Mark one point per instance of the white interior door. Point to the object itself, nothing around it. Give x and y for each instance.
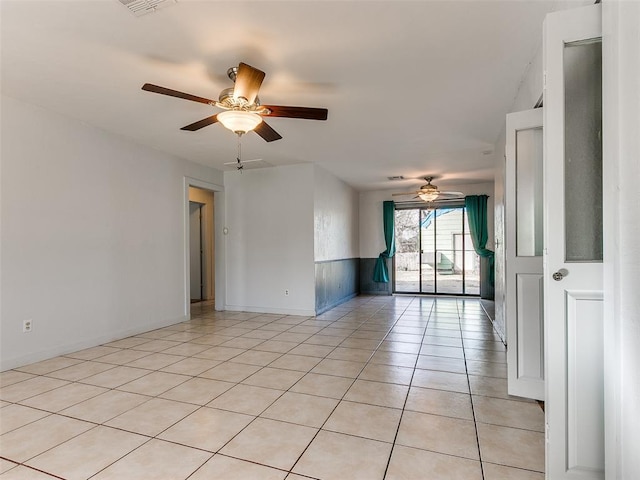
(524, 246)
(573, 243)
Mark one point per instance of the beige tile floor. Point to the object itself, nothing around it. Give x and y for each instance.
(378, 388)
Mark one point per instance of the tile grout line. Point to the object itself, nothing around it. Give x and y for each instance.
(200, 406)
(149, 437)
(347, 390)
(262, 367)
(473, 410)
(258, 416)
(406, 398)
(21, 464)
(156, 436)
(330, 324)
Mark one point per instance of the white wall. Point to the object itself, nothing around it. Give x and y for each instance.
(529, 93)
(270, 240)
(371, 229)
(499, 230)
(370, 219)
(92, 235)
(335, 218)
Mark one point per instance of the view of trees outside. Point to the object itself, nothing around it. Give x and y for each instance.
(434, 252)
(407, 230)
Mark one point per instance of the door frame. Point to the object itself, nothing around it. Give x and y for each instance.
(621, 150)
(219, 254)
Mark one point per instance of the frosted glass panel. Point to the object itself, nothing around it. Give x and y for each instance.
(583, 151)
(529, 232)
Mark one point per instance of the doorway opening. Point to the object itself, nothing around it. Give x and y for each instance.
(196, 252)
(434, 252)
(201, 254)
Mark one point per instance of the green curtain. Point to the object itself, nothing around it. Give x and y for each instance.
(476, 206)
(380, 272)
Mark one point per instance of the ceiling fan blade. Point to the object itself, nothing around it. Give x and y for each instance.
(266, 132)
(248, 81)
(296, 112)
(406, 193)
(175, 93)
(244, 161)
(201, 123)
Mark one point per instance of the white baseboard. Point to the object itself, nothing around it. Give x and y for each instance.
(54, 351)
(282, 311)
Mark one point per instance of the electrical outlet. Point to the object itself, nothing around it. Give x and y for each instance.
(286, 293)
(27, 326)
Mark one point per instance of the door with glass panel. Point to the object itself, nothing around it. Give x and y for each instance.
(573, 233)
(523, 254)
(408, 256)
(434, 252)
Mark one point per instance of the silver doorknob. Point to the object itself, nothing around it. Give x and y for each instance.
(560, 274)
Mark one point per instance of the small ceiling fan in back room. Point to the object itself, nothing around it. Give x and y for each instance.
(431, 194)
(243, 111)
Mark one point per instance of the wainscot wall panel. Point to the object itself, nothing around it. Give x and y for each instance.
(336, 281)
(367, 285)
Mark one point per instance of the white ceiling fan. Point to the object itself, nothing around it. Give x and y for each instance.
(431, 193)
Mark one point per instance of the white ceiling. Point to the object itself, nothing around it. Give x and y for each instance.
(412, 88)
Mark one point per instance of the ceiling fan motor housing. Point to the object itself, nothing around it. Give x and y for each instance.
(226, 95)
(429, 187)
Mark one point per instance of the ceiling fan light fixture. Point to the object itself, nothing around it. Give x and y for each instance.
(239, 121)
(429, 196)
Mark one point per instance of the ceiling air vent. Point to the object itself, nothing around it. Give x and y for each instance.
(396, 177)
(142, 7)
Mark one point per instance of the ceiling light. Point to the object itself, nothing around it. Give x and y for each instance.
(429, 196)
(239, 121)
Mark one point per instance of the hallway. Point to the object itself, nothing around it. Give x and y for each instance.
(380, 387)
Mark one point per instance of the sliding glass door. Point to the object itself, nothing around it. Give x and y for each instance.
(434, 253)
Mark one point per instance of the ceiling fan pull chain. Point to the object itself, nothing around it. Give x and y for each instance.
(240, 166)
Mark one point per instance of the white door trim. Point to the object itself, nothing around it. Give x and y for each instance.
(220, 251)
(621, 150)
